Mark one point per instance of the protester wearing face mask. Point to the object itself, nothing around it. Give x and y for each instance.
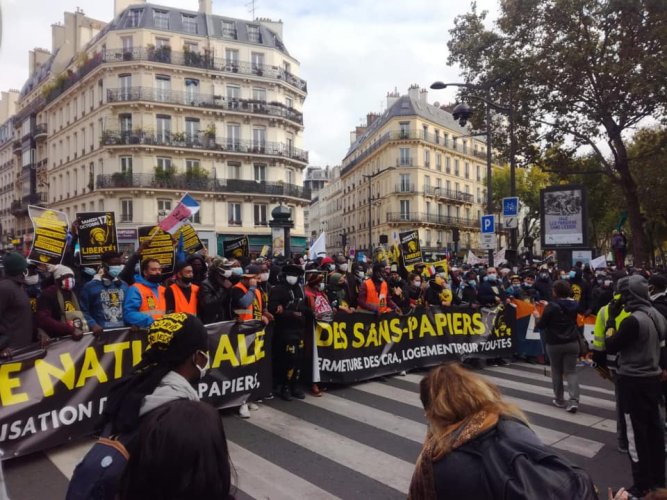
(529, 290)
(354, 279)
(374, 292)
(341, 264)
(543, 284)
(490, 293)
(398, 290)
(58, 310)
(102, 298)
(181, 296)
(318, 308)
(287, 304)
(213, 299)
(176, 359)
(16, 316)
(415, 290)
(145, 302)
(468, 290)
(514, 290)
(327, 265)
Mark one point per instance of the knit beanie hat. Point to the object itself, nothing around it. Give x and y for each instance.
(15, 264)
(59, 271)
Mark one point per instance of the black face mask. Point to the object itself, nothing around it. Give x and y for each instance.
(154, 279)
(186, 281)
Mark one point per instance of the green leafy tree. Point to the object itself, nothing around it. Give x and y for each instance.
(579, 75)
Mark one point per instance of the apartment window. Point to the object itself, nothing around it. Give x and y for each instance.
(191, 165)
(257, 60)
(479, 195)
(233, 136)
(260, 172)
(161, 19)
(127, 44)
(289, 176)
(457, 187)
(254, 34)
(449, 186)
(233, 96)
(445, 139)
(427, 158)
(404, 158)
(124, 87)
(428, 208)
(405, 183)
(163, 163)
(126, 210)
(192, 129)
(163, 131)
(126, 165)
(234, 170)
(287, 67)
(163, 206)
(100, 205)
(259, 94)
(456, 167)
(162, 87)
(448, 166)
(191, 91)
(289, 102)
(259, 139)
(232, 59)
(427, 182)
(455, 142)
(260, 215)
(125, 122)
(438, 162)
(161, 43)
(234, 210)
(404, 130)
(479, 173)
(229, 29)
(425, 131)
(437, 137)
(189, 23)
(428, 237)
(191, 47)
(134, 18)
(405, 209)
(465, 146)
(466, 169)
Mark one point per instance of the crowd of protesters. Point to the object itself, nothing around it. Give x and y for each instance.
(39, 303)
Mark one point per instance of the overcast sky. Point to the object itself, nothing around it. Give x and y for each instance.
(352, 52)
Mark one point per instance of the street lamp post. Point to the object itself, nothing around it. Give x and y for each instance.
(465, 113)
(370, 177)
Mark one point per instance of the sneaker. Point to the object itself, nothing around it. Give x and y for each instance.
(403, 373)
(253, 406)
(572, 407)
(558, 404)
(622, 448)
(285, 394)
(269, 397)
(298, 393)
(243, 411)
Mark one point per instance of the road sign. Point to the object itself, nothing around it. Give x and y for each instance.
(511, 222)
(511, 206)
(487, 241)
(488, 224)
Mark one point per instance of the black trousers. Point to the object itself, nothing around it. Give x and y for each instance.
(639, 398)
(288, 359)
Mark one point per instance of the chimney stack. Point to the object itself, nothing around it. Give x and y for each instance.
(423, 96)
(413, 92)
(392, 97)
(120, 5)
(206, 7)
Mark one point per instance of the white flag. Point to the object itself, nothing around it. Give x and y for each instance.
(318, 247)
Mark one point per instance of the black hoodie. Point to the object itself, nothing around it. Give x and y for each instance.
(559, 322)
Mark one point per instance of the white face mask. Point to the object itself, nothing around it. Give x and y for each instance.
(322, 286)
(202, 371)
(343, 267)
(227, 273)
(264, 277)
(361, 274)
(31, 280)
(238, 271)
(291, 280)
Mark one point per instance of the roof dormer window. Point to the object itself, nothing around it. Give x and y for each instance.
(254, 34)
(161, 19)
(229, 29)
(189, 23)
(134, 18)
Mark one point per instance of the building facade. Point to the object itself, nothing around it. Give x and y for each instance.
(315, 178)
(163, 101)
(413, 167)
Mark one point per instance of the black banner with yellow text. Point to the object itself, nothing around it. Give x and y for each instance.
(50, 401)
(97, 234)
(362, 346)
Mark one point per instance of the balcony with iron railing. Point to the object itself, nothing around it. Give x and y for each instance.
(406, 188)
(253, 106)
(189, 182)
(40, 131)
(20, 207)
(435, 219)
(201, 141)
(167, 56)
(448, 194)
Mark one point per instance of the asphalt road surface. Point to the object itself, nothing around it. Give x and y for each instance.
(362, 441)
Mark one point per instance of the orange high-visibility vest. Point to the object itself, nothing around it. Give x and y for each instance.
(256, 307)
(372, 297)
(150, 304)
(181, 304)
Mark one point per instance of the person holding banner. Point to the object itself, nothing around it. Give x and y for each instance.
(145, 302)
(374, 292)
(16, 321)
(213, 299)
(181, 296)
(102, 297)
(58, 311)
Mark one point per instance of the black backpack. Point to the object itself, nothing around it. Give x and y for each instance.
(517, 465)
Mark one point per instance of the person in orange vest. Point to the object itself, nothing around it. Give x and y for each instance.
(144, 301)
(181, 296)
(374, 292)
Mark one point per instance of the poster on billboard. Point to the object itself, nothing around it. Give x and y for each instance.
(563, 217)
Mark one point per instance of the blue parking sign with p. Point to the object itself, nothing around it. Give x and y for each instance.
(488, 224)
(511, 206)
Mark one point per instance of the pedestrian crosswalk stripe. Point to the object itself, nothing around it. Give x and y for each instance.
(545, 410)
(382, 467)
(547, 379)
(66, 458)
(259, 478)
(550, 437)
(394, 424)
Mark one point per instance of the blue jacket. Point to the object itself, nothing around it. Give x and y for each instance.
(101, 302)
(131, 313)
(488, 291)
